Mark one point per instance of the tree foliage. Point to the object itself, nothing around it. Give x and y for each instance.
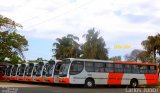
(138, 55)
(133, 56)
(67, 47)
(144, 56)
(94, 47)
(115, 58)
(7, 24)
(152, 45)
(12, 44)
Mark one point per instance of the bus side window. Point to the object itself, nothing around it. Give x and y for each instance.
(76, 67)
(89, 66)
(118, 68)
(143, 69)
(57, 67)
(152, 69)
(135, 69)
(109, 67)
(99, 67)
(127, 68)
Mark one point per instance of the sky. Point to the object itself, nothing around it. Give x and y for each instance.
(122, 23)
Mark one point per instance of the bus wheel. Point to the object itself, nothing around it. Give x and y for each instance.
(134, 83)
(89, 83)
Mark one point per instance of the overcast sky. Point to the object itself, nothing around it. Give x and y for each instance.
(120, 22)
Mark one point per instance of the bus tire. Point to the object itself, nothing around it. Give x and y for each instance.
(134, 83)
(89, 83)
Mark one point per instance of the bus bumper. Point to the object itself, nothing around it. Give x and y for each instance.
(39, 79)
(8, 78)
(30, 79)
(20, 79)
(14, 78)
(49, 79)
(4, 78)
(63, 80)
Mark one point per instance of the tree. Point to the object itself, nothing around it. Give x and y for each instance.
(7, 24)
(152, 45)
(94, 47)
(139, 55)
(12, 44)
(115, 58)
(67, 47)
(133, 56)
(144, 56)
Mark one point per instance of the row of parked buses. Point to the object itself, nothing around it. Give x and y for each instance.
(89, 72)
(33, 72)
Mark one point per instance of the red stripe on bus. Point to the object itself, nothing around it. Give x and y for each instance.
(115, 78)
(8, 77)
(13, 78)
(63, 80)
(30, 79)
(49, 79)
(4, 77)
(39, 79)
(151, 78)
(21, 79)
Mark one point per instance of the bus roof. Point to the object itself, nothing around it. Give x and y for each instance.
(136, 63)
(92, 60)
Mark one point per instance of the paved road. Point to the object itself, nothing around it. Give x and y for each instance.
(13, 87)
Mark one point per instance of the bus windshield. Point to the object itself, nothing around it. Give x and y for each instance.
(49, 68)
(22, 69)
(8, 72)
(2, 70)
(29, 69)
(39, 69)
(14, 70)
(64, 68)
(57, 67)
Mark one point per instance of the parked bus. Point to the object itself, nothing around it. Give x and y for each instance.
(21, 72)
(52, 71)
(8, 72)
(14, 72)
(31, 72)
(3, 72)
(100, 72)
(40, 72)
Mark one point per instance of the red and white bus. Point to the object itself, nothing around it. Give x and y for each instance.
(3, 72)
(31, 72)
(52, 71)
(8, 72)
(100, 72)
(40, 72)
(21, 72)
(14, 72)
